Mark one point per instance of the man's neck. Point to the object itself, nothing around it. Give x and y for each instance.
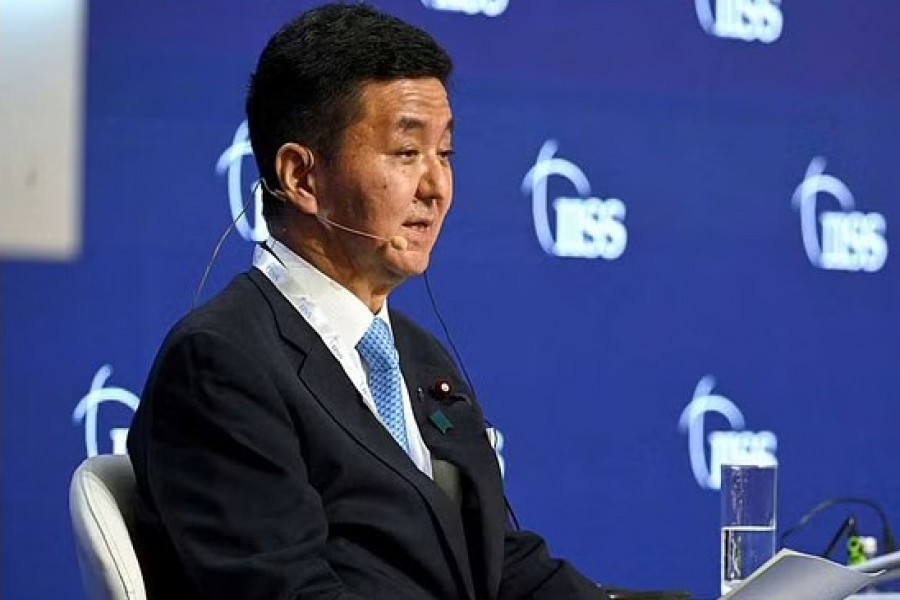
(313, 251)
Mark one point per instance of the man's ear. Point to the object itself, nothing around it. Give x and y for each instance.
(295, 167)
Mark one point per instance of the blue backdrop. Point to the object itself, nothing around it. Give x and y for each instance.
(690, 205)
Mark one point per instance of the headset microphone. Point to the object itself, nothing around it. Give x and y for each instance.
(397, 242)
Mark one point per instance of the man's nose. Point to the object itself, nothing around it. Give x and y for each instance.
(436, 182)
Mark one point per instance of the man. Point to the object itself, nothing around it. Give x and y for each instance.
(281, 450)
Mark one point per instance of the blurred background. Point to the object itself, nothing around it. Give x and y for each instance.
(671, 247)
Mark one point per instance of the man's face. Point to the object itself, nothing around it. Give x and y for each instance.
(391, 177)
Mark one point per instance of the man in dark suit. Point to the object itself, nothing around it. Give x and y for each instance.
(295, 438)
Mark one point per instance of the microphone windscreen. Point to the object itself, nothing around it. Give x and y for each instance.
(398, 242)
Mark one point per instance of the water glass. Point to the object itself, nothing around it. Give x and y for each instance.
(748, 520)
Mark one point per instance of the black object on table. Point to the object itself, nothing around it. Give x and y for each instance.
(620, 594)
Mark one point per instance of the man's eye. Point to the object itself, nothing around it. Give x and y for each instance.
(447, 154)
(408, 153)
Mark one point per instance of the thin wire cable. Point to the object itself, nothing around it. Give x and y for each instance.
(218, 247)
(437, 313)
(847, 528)
(888, 540)
(274, 193)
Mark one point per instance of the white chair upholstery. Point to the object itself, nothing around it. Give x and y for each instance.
(101, 501)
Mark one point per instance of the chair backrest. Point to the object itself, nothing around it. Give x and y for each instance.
(101, 500)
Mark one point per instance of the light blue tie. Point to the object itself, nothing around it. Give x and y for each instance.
(377, 349)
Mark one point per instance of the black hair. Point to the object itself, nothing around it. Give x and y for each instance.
(309, 76)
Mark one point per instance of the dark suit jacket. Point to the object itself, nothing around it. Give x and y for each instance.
(262, 475)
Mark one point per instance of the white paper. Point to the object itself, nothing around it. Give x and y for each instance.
(791, 575)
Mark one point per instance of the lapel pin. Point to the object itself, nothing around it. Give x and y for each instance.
(441, 389)
(440, 420)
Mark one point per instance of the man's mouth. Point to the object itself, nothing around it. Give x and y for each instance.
(418, 225)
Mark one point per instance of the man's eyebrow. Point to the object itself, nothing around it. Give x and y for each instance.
(408, 124)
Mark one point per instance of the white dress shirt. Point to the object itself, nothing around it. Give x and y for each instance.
(341, 319)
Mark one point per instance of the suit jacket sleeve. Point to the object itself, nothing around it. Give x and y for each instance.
(529, 572)
(225, 468)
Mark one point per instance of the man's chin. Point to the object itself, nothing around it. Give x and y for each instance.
(411, 263)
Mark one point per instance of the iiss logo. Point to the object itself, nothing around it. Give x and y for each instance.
(747, 20)
(230, 164)
(489, 8)
(87, 408)
(737, 446)
(586, 226)
(851, 240)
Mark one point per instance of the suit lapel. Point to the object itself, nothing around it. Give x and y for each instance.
(326, 380)
(464, 444)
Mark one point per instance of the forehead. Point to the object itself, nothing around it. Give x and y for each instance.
(406, 105)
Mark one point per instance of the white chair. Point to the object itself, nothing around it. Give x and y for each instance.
(101, 500)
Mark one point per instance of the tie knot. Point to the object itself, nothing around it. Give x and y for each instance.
(377, 347)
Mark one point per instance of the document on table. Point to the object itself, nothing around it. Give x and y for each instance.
(791, 575)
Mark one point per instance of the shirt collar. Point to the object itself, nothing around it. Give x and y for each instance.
(348, 316)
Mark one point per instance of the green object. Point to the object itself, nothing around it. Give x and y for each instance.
(441, 421)
(855, 553)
